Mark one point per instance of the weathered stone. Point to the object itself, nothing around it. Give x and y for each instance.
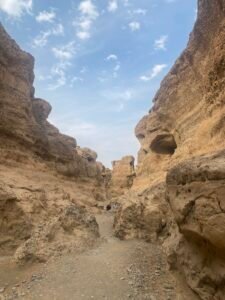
(71, 231)
(123, 174)
(142, 216)
(43, 174)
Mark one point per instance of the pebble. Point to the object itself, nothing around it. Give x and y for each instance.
(2, 289)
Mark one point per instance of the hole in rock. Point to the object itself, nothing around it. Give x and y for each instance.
(140, 136)
(108, 207)
(164, 144)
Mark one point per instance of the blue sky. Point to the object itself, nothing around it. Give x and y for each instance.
(100, 62)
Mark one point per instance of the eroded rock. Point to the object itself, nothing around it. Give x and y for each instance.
(45, 178)
(72, 231)
(142, 215)
(123, 174)
(195, 190)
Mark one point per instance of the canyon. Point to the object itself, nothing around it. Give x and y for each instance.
(162, 220)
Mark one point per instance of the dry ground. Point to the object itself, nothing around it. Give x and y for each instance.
(114, 270)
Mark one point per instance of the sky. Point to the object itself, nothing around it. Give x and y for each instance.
(100, 62)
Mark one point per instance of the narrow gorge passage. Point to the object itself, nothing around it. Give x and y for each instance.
(113, 270)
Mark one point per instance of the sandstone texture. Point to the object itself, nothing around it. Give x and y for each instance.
(24, 123)
(142, 215)
(122, 177)
(195, 191)
(49, 187)
(182, 146)
(72, 231)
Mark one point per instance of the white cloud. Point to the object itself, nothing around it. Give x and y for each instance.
(46, 16)
(65, 52)
(134, 26)
(117, 67)
(112, 6)
(58, 75)
(83, 35)
(75, 79)
(42, 39)
(87, 8)
(112, 57)
(116, 70)
(88, 14)
(137, 12)
(160, 44)
(140, 11)
(58, 30)
(156, 70)
(16, 8)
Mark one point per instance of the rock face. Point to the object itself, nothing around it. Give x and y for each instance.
(123, 174)
(195, 190)
(25, 126)
(182, 144)
(142, 215)
(45, 178)
(188, 113)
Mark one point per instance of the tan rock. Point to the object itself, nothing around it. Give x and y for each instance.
(183, 135)
(142, 215)
(44, 180)
(87, 153)
(123, 174)
(25, 126)
(72, 231)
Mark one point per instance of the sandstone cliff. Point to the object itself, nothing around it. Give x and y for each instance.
(182, 142)
(123, 174)
(47, 183)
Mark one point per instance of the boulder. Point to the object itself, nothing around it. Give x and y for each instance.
(143, 215)
(72, 231)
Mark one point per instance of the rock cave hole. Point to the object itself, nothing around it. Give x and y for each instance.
(164, 144)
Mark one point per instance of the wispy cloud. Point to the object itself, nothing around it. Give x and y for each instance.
(41, 40)
(16, 8)
(112, 57)
(156, 70)
(134, 26)
(65, 52)
(46, 16)
(112, 5)
(119, 97)
(117, 66)
(88, 14)
(160, 44)
(140, 11)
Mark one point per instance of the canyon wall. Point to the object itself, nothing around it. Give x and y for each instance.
(48, 185)
(182, 148)
(122, 176)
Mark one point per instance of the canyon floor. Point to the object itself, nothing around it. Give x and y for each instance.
(112, 270)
